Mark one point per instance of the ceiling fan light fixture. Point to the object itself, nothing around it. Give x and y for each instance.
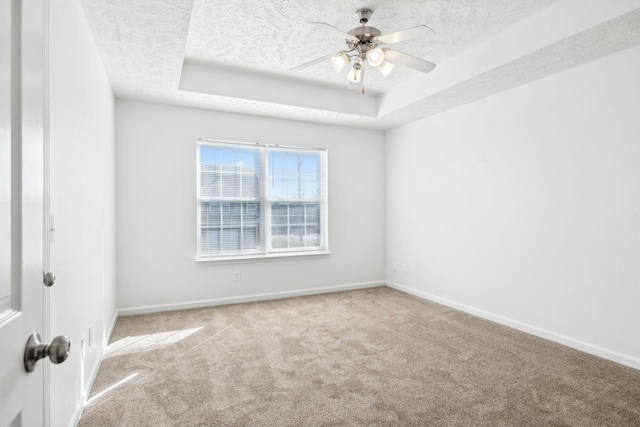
(385, 68)
(338, 62)
(367, 45)
(354, 75)
(375, 57)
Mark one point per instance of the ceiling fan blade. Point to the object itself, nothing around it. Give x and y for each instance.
(408, 34)
(314, 62)
(334, 30)
(396, 57)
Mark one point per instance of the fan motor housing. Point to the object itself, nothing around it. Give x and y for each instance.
(365, 34)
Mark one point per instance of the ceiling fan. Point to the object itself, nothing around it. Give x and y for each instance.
(367, 44)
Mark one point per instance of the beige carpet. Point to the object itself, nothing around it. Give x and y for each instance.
(375, 357)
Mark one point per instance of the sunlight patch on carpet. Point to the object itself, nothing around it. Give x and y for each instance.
(149, 342)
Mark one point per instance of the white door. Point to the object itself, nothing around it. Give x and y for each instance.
(22, 142)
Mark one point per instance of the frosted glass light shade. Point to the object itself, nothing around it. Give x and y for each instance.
(375, 57)
(354, 76)
(386, 68)
(338, 62)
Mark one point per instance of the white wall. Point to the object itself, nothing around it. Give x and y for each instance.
(524, 207)
(156, 179)
(83, 202)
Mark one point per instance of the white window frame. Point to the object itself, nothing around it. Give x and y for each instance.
(265, 204)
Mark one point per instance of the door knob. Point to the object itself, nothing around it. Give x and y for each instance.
(58, 351)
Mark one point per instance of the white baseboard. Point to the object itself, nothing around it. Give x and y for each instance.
(247, 298)
(94, 373)
(596, 350)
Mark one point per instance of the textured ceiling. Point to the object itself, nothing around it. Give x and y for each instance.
(144, 44)
(275, 35)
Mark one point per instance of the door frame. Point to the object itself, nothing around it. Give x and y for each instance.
(47, 220)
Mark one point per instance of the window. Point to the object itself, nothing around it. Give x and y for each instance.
(259, 200)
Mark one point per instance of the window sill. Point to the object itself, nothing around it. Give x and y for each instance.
(272, 256)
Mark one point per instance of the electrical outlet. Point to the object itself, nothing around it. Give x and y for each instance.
(404, 268)
(394, 267)
(236, 276)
